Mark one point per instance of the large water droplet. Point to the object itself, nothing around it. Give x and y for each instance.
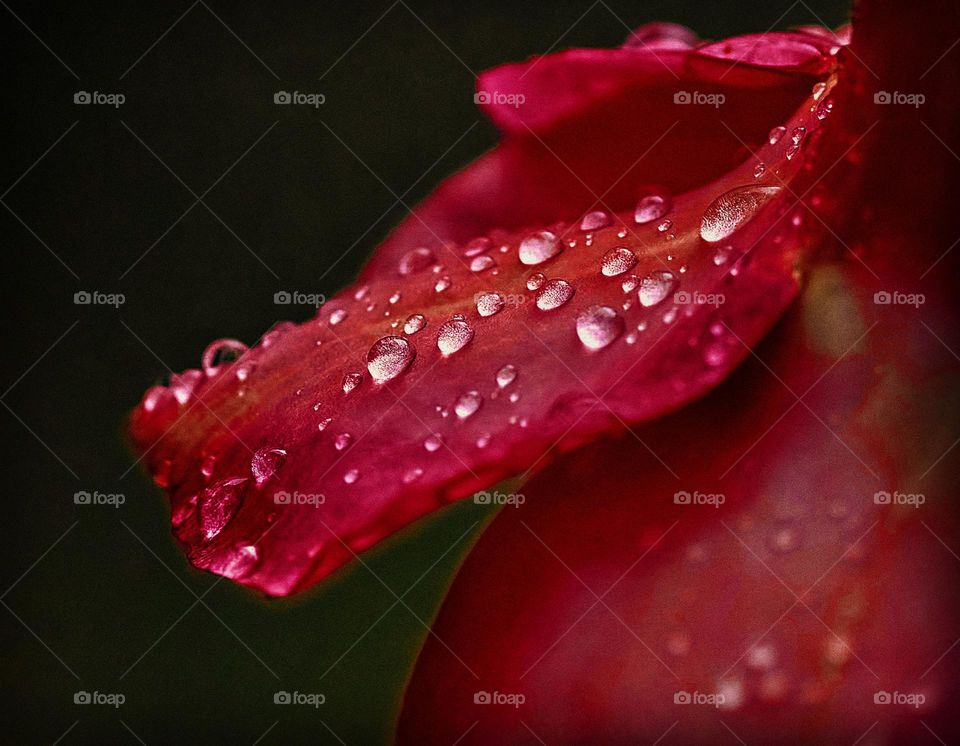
(728, 212)
(219, 352)
(337, 316)
(351, 381)
(453, 336)
(265, 463)
(468, 403)
(433, 442)
(415, 260)
(219, 504)
(389, 357)
(506, 375)
(414, 324)
(594, 220)
(554, 294)
(656, 286)
(617, 261)
(598, 326)
(489, 304)
(482, 263)
(653, 207)
(539, 247)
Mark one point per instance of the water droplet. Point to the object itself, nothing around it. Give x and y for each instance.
(243, 372)
(489, 304)
(207, 466)
(322, 425)
(514, 397)
(412, 475)
(240, 561)
(414, 323)
(336, 316)
(220, 352)
(483, 441)
(416, 260)
(665, 225)
(792, 151)
(535, 281)
(617, 261)
(775, 134)
(442, 284)
(389, 357)
(342, 441)
(395, 298)
(433, 442)
(219, 504)
(652, 207)
(759, 170)
(265, 462)
(539, 247)
(351, 476)
(554, 294)
(818, 90)
(467, 404)
(598, 326)
(728, 212)
(797, 134)
(723, 255)
(453, 336)
(656, 286)
(477, 246)
(351, 381)
(362, 292)
(594, 220)
(482, 263)
(824, 108)
(506, 375)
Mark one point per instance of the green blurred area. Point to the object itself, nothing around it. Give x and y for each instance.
(111, 607)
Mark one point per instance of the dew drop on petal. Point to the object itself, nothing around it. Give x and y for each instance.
(818, 90)
(728, 212)
(477, 246)
(594, 220)
(219, 503)
(630, 283)
(265, 462)
(219, 352)
(535, 281)
(506, 375)
(554, 294)
(342, 441)
(775, 134)
(664, 226)
(759, 170)
(240, 561)
(482, 263)
(412, 475)
(336, 316)
(467, 404)
(433, 442)
(489, 304)
(483, 441)
(656, 286)
(538, 247)
(442, 284)
(351, 381)
(453, 336)
(617, 261)
(598, 326)
(415, 260)
(322, 425)
(389, 357)
(652, 207)
(351, 476)
(414, 323)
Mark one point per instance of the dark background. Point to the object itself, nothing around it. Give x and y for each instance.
(88, 590)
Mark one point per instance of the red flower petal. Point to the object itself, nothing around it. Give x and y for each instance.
(331, 435)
